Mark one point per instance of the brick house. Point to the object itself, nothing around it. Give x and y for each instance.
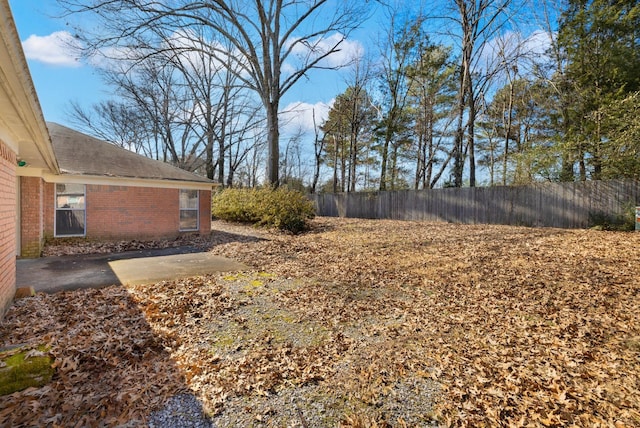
(57, 183)
(23, 138)
(104, 192)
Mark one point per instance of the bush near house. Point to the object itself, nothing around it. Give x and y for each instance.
(282, 208)
(624, 222)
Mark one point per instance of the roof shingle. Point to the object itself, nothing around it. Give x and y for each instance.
(81, 154)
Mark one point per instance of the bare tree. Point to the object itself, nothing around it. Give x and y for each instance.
(225, 112)
(157, 90)
(248, 171)
(291, 162)
(476, 22)
(318, 150)
(362, 115)
(244, 144)
(116, 122)
(264, 35)
(155, 116)
(506, 56)
(212, 86)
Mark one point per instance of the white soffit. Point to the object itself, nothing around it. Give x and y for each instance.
(22, 125)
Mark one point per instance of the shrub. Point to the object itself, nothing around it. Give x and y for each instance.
(625, 221)
(282, 208)
(235, 205)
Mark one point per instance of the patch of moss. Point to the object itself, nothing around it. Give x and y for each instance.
(265, 275)
(224, 340)
(23, 368)
(234, 277)
(256, 283)
(252, 287)
(279, 325)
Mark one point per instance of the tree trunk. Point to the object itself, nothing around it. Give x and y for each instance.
(458, 159)
(429, 167)
(394, 167)
(353, 143)
(566, 172)
(318, 146)
(221, 161)
(273, 139)
(231, 173)
(420, 162)
(316, 172)
(353, 152)
(430, 153)
(335, 165)
(343, 166)
(471, 142)
(507, 134)
(471, 111)
(209, 164)
(596, 158)
(383, 166)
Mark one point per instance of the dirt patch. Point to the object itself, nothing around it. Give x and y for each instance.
(254, 357)
(371, 322)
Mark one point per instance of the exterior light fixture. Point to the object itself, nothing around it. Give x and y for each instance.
(22, 162)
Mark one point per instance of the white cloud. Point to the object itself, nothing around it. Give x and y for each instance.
(514, 48)
(346, 52)
(287, 69)
(503, 48)
(55, 49)
(539, 42)
(298, 116)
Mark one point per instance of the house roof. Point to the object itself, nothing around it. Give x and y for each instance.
(81, 154)
(22, 124)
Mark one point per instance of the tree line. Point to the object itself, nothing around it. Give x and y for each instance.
(459, 93)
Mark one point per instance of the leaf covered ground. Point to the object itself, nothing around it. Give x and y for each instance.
(356, 323)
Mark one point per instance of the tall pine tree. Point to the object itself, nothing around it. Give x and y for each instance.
(599, 39)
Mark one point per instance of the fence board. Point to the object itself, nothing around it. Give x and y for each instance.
(565, 205)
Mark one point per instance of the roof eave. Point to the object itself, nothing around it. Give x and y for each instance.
(128, 181)
(23, 95)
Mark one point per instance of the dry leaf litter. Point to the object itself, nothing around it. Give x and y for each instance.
(356, 323)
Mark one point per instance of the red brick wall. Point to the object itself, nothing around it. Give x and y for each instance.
(7, 226)
(131, 212)
(205, 212)
(124, 212)
(48, 209)
(31, 216)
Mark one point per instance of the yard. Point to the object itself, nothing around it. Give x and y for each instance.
(355, 323)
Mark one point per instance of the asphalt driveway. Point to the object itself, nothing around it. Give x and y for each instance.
(53, 274)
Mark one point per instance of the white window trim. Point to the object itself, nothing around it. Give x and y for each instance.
(196, 209)
(55, 214)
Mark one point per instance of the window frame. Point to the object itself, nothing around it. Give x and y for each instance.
(182, 209)
(57, 209)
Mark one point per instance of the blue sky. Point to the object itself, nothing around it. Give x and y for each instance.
(59, 78)
(56, 84)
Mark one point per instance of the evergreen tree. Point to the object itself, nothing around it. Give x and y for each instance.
(516, 135)
(432, 95)
(348, 136)
(599, 40)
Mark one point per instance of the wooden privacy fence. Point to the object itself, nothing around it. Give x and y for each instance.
(565, 205)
